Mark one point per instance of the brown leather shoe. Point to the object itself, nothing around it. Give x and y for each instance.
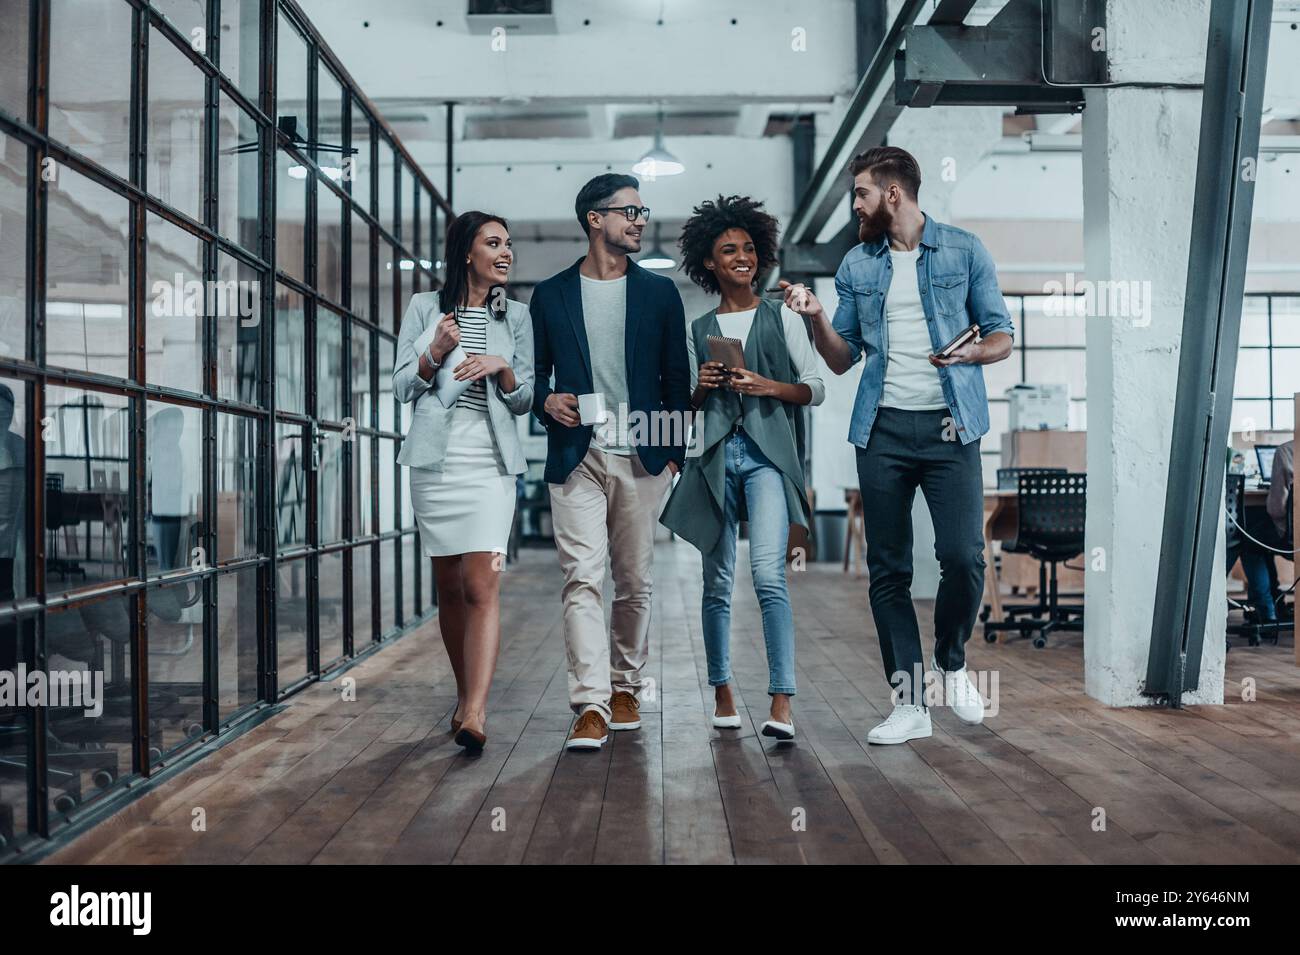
(624, 711)
(589, 732)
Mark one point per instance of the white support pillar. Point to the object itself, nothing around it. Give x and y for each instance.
(1139, 173)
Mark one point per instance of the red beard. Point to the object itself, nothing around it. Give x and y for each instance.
(873, 226)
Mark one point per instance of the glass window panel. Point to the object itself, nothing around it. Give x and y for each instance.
(95, 637)
(329, 486)
(174, 485)
(1286, 320)
(187, 16)
(363, 628)
(13, 58)
(239, 330)
(363, 523)
(290, 351)
(1044, 328)
(87, 478)
(410, 570)
(329, 243)
(389, 266)
(408, 513)
(387, 587)
(329, 122)
(240, 42)
(358, 175)
(13, 245)
(362, 381)
(1284, 415)
(386, 417)
(86, 276)
(387, 514)
(291, 622)
(291, 486)
(90, 80)
(426, 578)
(1056, 366)
(1254, 321)
(331, 607)
(1250, 415)
(290, 215)
(14, 547)
(1252, 373)
(237, 174)
(1286, 371)
(329, 365)
(236, 487)
(236, 641)
(175, 666)
(410, 189)
(428, 228)
(291, 77)
(361, 252)
(385, 207)
(174, 321)
(15, 756)
(1001, 375)
(999, 424)
(175, 134)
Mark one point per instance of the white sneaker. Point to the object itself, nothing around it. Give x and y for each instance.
(960, 694)
(908, 721)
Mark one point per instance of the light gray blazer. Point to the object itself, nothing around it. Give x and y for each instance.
(425, 443)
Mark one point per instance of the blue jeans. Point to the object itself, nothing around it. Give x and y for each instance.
(752, 476)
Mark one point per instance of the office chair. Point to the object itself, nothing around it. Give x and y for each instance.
(1007, 481)
(1252, 627)
(1049, 527)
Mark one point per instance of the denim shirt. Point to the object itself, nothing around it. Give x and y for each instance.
(959, 288)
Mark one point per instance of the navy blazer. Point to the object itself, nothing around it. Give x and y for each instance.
(658, 376)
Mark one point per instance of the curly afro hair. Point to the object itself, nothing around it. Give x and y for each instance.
(710, 219)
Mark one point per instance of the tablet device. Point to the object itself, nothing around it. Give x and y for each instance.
(968, 334)
(445, 386)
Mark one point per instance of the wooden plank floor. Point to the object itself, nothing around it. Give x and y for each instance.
(379, 780)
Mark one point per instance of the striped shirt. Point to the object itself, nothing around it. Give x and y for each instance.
(473, 338)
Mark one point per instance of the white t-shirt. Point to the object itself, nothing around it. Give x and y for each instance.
(911, 382)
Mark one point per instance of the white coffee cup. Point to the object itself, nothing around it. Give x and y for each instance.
(591, 408)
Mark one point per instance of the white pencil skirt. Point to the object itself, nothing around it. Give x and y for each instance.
(469, 505)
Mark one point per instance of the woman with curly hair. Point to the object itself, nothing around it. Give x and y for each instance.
(749, 467)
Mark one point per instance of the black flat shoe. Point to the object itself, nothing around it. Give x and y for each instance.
(471, 740)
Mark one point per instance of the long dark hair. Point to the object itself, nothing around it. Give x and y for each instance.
(460, 236)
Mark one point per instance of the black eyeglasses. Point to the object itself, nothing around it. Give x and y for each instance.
(630, 211)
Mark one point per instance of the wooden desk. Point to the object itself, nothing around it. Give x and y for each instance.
(1001, 516)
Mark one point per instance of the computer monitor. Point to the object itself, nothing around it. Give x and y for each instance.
(1264, 455)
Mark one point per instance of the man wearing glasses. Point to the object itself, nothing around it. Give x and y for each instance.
(614, 334)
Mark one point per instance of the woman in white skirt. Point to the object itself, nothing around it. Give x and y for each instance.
(463, 446)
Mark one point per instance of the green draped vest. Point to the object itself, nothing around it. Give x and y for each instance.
(695, 508)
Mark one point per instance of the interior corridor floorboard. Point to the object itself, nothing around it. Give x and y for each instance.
(380, 781)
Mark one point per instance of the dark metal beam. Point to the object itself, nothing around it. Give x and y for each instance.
(998, 64)
(869, 115)
(1235, 61)
(822, 258)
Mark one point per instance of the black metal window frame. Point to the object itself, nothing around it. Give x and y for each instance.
(1271, 349)
(27, 614)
